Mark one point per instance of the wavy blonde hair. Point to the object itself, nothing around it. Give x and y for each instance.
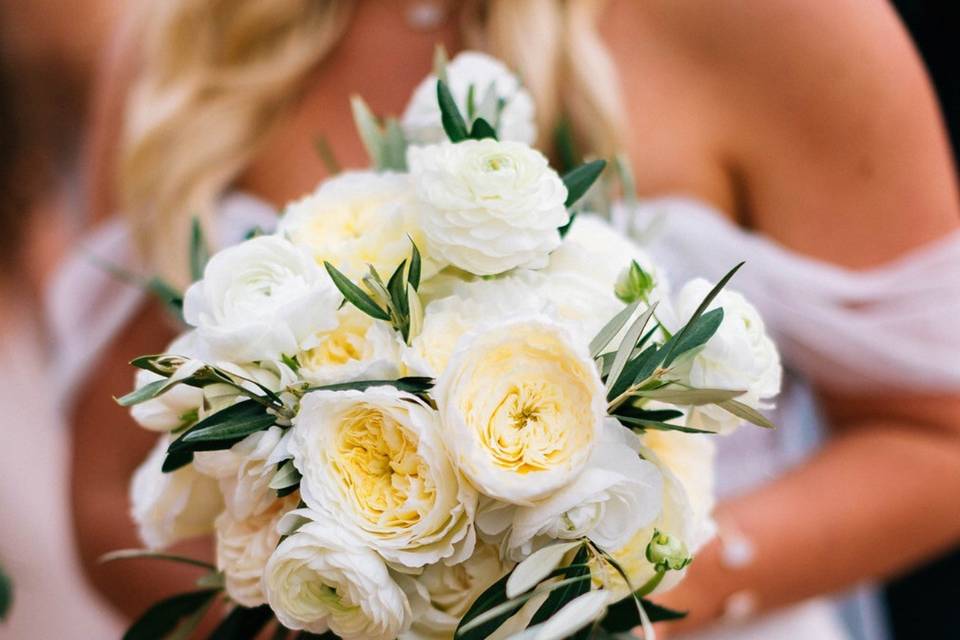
(217, 74)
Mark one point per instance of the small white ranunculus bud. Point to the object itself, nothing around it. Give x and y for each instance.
(496, 96)
(260, 300)
(488, 206)
(169, 507)
(319, 579)
(522, 406)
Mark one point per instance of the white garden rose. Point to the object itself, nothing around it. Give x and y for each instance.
(492, 85)
(488, 206)
(355, 219)
(375, 461)
(244, 546)
(244, 472)
(442, 594)
(615, 495)
(169, 507)
(686, 463)
(740, 355)
(261, 299)
(522, 406)
(320, 579)
(358, 348)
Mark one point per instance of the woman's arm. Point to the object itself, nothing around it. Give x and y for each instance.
(822, 122)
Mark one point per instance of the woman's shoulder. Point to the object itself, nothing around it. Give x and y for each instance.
(809, 110)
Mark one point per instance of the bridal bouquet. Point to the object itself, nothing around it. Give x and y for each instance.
(441, 400)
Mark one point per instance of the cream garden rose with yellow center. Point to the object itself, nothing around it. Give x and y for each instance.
(375, 461)
(522, 405)
(358, 348)
(355, 219)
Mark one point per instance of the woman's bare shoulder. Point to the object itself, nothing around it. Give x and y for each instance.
(825, 119)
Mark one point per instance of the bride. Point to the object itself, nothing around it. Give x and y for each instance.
(800, 136)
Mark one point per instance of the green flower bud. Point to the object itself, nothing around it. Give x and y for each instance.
(633, 284)
(667, 552)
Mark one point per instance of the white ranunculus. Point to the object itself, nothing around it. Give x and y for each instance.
(320, 579)
(522, 406)
(169, 507)
(244, 472)
(488, 206)
(244, 546)
(615, 495)
(515, 121)
(740, 355)
(358, 348)
(686, 463)
(375, 461)
(355, 219)
(442, 594)
(261, 299)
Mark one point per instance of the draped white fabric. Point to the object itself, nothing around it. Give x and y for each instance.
(894, 326)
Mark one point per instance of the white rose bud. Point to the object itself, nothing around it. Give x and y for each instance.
(488, 206)
(169, 507)
(522, 406)
(358, 348)
(375, 461)
(493, 85)
(261, 299)
(318, 580)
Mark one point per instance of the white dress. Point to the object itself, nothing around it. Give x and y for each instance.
(885, 327)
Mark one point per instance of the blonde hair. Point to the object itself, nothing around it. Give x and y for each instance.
(217, 74)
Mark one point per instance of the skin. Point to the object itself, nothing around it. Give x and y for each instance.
(793, 118)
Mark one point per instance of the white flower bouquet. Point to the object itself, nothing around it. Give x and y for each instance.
(441, 400)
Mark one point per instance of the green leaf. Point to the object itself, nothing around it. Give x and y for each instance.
(683, 397)
(325, 152)
(369, 130)
(6, 594)
(394, 147)
(611, 329)
(199, 253)
(233, 423)
(286, 476)
(163, 617)
(566, 228)
(580, 179)
(482, 129)
(694, 335)
(637, 370)
(658, 415)
(563, 595)
(188, 625)
(622, 616)
(453, 124)
(746, 412)
(413, 275)
(131, 554)
(534, 569)
(176, 460)
(169, 297)
(148, 391)
(397, 287)
(627, 346)
(566, 146)
(658, 425)
(355, 295)
(410, 384)
(243, 623)
(699, 311)
(494, 595)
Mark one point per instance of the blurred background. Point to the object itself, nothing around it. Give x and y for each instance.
(49, 56)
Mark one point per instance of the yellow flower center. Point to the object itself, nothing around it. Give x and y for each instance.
(380, 470)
